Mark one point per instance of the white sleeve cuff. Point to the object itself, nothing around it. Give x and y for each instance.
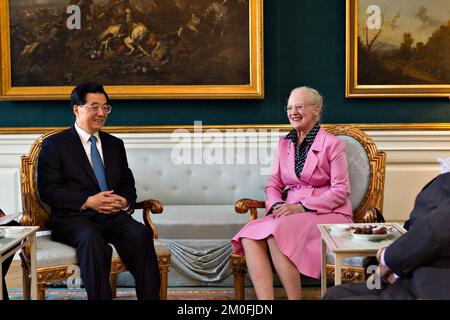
(382, 262)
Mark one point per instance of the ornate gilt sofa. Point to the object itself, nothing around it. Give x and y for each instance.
(55, 260)
(366, 172)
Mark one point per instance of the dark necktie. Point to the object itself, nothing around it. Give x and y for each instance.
(97, 165)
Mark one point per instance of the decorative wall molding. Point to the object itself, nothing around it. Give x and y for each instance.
(151, 129)
(411, 159)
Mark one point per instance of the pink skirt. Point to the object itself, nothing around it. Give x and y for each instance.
(297, 237)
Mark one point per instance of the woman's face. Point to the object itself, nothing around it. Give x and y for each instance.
(302, 114)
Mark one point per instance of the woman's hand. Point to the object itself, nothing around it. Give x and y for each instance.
(285, 209)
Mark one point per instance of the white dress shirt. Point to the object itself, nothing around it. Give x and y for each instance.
(84, 137)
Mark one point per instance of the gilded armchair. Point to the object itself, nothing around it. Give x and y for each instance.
(366, 170)
(55, 260)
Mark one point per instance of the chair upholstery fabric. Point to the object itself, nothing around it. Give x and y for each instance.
(51, 253)
(359, 169)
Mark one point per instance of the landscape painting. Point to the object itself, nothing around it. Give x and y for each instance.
(138, 48)
(398, 48)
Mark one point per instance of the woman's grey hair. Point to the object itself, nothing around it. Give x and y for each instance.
(316, 97)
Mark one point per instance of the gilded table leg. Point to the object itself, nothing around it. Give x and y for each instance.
(239, 285)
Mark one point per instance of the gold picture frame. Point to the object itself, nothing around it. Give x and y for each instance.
(392, 49)
(187, 55)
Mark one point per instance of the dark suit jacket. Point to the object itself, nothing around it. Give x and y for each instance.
(66, 179)
(421, 257)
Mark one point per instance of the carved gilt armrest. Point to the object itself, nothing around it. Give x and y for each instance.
(147, 206)
(373, 215)
(243, 205)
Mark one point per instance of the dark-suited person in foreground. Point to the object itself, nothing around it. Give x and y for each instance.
(416, 265)
(83, 175)
(7, 263)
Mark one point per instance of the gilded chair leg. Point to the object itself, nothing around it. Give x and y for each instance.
(348, 274)
(113, 282)
(163, 287)
(163, 265)
(239, 284)
(41, 291)
(26, 276)
(26, 284)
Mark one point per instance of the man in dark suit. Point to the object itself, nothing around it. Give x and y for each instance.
(7, 263)
(416, 265)
(83, 175)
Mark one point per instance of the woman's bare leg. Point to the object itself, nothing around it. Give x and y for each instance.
(259, 267)
(286, 270)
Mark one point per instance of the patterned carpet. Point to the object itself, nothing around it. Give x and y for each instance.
(178, 293)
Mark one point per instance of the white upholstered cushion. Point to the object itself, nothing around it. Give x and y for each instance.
(159, 177)
(358, 169)
(199, 199)
(198, 222)
(52, 253)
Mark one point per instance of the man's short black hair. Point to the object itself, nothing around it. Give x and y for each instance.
(78, 96)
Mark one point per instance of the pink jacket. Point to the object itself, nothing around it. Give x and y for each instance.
(324, 185)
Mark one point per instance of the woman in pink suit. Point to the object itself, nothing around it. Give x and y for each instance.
(310, 166)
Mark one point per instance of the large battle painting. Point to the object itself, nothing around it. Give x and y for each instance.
(130, 42)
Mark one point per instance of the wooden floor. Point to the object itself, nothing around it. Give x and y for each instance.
(14, 276)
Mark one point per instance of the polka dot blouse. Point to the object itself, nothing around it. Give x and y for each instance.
(302, 152)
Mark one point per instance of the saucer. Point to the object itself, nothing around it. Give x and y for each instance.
(13, 231)
(370, 237)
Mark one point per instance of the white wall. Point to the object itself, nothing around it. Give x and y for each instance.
(411, 162)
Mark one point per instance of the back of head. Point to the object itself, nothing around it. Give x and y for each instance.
(78, 95)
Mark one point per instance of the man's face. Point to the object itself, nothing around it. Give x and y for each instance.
(89, 119)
